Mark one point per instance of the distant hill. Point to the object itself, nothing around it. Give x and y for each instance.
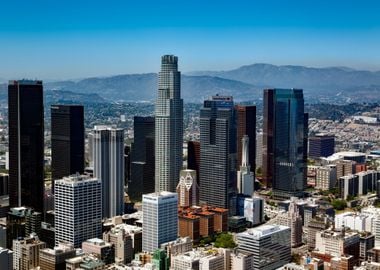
(329, 85)
(308, 78)
(59, 97)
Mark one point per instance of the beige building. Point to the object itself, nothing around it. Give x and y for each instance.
(26, 252)
(326, 177)
(123, 243)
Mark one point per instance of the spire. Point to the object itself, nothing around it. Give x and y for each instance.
(244, 152)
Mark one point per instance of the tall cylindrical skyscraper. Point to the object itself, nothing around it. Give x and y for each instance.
(168, 125)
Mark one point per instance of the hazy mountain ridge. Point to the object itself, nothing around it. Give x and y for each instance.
(329, 84)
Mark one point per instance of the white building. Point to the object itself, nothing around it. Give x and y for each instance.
(245, 178)
(354, 221)
(168, 125)
(188, 189)
(254, 210)
(325, 178)
(26, 252)
(108, 156)
(241, 261)
(375, 230)
(160, 219)
(6, 259)
(78, 209)
(269, 244)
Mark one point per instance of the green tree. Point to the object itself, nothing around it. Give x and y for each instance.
(339, 204)
(224, 240)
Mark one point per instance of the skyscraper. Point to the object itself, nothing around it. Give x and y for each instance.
(218, 151)
(78, 209)
(246, 125)
(108, 156)
(67, 141)
(245, 177)
(284, 142)
(321, 145)
(168, 126)
(194, 156)
(160, 217)
(142, 158)
(188, 189)
(26, 144)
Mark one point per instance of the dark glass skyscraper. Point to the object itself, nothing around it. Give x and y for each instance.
(217, 151)
(194, 156)
(321, 145)
(246, 125)
(67, 140)
(284, 142)
(142, 158)
(26, 144)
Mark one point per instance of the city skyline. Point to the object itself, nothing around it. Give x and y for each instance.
(72, 40)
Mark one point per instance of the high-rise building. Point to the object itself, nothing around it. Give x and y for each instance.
(194, 156)
(285, 142)
(160, 219)
(269, 244)
(78, 209)
(259, 151)
(4, 182)
(6, 259)
(218, 151)
(321, 145)
(168, 125)
(293, 220)
(26, 144)
(67, 141)
(246, 125)
(122, 242)
(245, 177)
(142, 158)
(188, 189)
(109, 168)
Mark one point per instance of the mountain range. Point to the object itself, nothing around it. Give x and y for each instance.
(244, 83)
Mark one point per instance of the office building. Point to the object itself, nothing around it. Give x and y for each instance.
(123, 243)
(142, 158)
(4, 182)
(67, 141)
(325, 178)
(254, 210)
(160, 219)
(194, 156)
(218, 151)
(241, 261)
(26, 252)
(55, 259)
(109, 168)
(168, 125)
(259, 151)
(6, 259)
(26, 144)
(188, 189)
(78, 211)
(246, 126)
(245, 177)
(293, 220)
(269, 245)
(101, 249)
(285, 130)
(321, 145)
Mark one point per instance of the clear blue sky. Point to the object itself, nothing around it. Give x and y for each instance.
(51, 39)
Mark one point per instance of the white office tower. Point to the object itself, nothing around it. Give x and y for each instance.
(78, 209)
(108, 156)
(269, 244)
(6, 259)
(254, 210)
(245, 178)
(168, 126)
(160, 219)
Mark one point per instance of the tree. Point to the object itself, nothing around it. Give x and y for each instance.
(224, 240)
(339, 204)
